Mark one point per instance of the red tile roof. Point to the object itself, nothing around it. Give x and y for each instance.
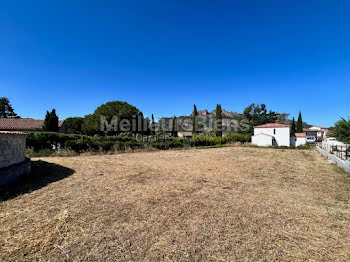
(23, 124)
(300, 134)
(11, 133)
(312, 130)
(271, 125)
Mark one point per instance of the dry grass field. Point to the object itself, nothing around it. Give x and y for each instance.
(224, 204)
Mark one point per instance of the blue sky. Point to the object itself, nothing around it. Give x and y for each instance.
(165, 56)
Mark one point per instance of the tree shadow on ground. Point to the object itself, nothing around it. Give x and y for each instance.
(42, 174)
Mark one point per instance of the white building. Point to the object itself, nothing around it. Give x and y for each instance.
(273, 134)
(314, 134)
(298, 139)
(184, 134)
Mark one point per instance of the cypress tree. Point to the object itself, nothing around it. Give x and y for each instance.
(153, 127)
(46, 125)
(174, 127)
(194, 120)
(51, 121)
(218, 120)
(141, 123)
(293, 128)
(300, 124)
(54, 121)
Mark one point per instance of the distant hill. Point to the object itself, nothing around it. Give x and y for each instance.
(289, 122)
(229, 118)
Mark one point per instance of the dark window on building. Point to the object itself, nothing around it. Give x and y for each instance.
(274, 131)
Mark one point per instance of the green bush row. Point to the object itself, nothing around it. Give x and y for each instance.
(46, 140)
(37, 141)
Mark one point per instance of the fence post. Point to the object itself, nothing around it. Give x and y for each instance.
(341, 152)
(347, 152)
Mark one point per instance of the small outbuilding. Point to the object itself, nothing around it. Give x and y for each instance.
(13, 163)
(298, 139)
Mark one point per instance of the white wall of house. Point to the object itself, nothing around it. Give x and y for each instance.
(281, 134)
(297, 141)
(262, 140)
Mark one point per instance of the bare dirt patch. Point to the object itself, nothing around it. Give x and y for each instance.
(223, 204)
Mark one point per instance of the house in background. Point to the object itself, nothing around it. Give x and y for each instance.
(314, 134)
(184, 134)
(324, 129)
(26, 125)
(298, 139)
(272, 134)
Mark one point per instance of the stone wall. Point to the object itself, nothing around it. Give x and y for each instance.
(12, 148)
(13, 163)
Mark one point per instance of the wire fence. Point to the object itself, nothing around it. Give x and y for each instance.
(341, 151)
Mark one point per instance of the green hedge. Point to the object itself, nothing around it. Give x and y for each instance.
(81, 143)
(45, 140)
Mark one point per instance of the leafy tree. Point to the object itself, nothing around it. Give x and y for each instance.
(6, 109)
(281, 117)
(342, 130)
(300, 124)
(174, 127)
(112, 118)
(194, 120)
(255, 115)
(51, 121)
(218, 120)
(293, 129)
(73, 125)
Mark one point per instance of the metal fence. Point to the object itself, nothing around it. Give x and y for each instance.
(340, 151)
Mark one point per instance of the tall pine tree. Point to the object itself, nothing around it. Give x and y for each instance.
(293, 129)
(218, 120)
(300, 124)
(6, 109)
(194, 120)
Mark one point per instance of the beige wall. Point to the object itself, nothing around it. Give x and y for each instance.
(12, 149)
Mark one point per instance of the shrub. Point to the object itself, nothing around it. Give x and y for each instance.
(169, 144)
(306, 146)
(123, 145)
(77, 145)
(73, 125)
(47, 141)
(342, 130)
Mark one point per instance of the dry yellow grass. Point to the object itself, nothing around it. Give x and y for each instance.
(225, 204)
